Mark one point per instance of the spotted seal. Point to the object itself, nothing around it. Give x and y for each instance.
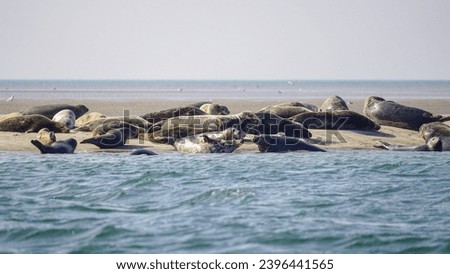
(46, 137)
(309, 106)
(105, 127)
(58, 147)
(437, 143)
(282, 143)
(50, 110)
(66, 117)
(9, 115)
(170, 135)
(273, 124)
(31, 123)
(228, 134)
(335, 120)
(136, 121)
(434, 129)
(334, 103)
(88, 117)
(198, 104)
(143, 151)
(111, 139)
(389, 113)
(183, 126)
(214, 109)
(158, 116)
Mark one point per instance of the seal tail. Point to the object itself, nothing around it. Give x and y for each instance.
(39, 145)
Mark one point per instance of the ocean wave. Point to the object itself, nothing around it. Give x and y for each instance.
(342, 202)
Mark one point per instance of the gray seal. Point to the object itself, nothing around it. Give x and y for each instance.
(280, 143)
(441, 143)
(184, 126)
(336, 120)
(89, 117)
(214, 109)
(207, 144)
(31, 123)
(143, 151)
(389, 113)
(112, 139)
(434, 129)
(58, 147)
(105, 127)
(334, 103)
(50, 110)
(229, 134)
(284, 111)
(309, 106)
(154, 117)
(273, 124)
(198, 104)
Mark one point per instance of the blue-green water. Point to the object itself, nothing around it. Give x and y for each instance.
(334, 202)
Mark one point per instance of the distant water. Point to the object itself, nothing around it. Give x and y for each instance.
(334, 202)
(203, 90)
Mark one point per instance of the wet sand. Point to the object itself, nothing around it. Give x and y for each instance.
(330, 140)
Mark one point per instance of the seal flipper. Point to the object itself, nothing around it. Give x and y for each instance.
(39, 145)
(382, 145)
(444, 119)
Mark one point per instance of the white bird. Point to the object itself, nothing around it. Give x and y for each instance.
(10, 98)
(291, 83)
(180, 90)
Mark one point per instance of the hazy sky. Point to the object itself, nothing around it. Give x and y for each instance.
(225, 39)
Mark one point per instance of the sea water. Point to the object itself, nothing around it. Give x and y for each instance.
(299, 202)
(216, 90)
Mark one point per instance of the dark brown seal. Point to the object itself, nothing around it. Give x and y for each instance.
(31, 123)
(281, 143)
(112, 139)
(58, 147)
(335, 120)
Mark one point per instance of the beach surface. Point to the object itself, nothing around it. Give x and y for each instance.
(329, 139)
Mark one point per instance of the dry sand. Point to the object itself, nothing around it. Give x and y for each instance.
(12, 141)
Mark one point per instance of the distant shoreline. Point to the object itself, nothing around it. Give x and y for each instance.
(201, 90)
